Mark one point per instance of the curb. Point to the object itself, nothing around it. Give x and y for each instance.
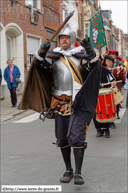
(13, 115)
(2, 98)
(4, 120)
(18, 113)
(19, 93)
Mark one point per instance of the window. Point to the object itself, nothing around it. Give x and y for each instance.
(33, 44)
(29, 2)
(88, 12)
(49, 34)
(107, 13)
(87, 29)
(8, 49)
(33, 3)
(93, 1)
(29, 60)
(105, 22)
(64, 14)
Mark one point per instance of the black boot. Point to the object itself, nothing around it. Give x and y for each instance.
(112, 125)
(107, 133)
(78, 154)
(117, 110)
(68, 175)
(99, 133)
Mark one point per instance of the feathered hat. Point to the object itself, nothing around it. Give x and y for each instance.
(71, 27)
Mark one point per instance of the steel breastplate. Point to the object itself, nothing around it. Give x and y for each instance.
(62, 78)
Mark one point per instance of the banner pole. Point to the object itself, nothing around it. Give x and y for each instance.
(103, 27)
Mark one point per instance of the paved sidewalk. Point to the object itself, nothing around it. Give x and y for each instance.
(28, 157)
(7, 111)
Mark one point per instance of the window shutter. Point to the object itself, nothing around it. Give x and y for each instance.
(32, 45)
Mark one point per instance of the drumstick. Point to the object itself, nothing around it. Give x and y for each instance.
(110, 83)
(115, 68)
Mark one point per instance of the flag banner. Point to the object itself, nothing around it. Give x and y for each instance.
(97, 34)
(126, 41)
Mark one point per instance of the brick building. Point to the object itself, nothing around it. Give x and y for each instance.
(125, 46)
(80, 35)
(24, 25)
(79, 7)
(88, 12)
(122, 44)
(107, 26)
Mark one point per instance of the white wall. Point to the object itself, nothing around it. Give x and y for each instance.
(13, 31)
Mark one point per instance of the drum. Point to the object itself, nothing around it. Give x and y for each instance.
(105, 109)
(118, 97)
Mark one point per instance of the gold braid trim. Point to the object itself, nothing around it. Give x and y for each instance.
(65, 146)
(77, 79)
(76, 69)
(78, 147)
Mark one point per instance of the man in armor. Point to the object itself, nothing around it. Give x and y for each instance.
(75, 73)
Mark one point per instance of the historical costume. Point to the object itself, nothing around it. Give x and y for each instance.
(126, 78)
(118, 72)
(118, 62)
(66, 80)
(119, 76)
(106, 77)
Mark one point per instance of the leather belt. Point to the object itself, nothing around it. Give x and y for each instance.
(65, 100)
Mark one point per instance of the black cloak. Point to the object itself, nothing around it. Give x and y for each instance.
(38, 86)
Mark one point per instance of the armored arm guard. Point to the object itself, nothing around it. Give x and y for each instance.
(90, 65)
(43, 63)
(89, 54)
(44, 49)
(40, 55)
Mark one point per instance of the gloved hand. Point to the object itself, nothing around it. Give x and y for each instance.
(44, 49)
(90, 53)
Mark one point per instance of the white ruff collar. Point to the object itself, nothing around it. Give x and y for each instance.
(69, 52)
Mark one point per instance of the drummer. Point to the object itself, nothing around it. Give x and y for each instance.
(118, 72)
(118, 62)
(102, 128)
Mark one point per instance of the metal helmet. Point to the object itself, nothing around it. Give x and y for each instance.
(68, 32)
